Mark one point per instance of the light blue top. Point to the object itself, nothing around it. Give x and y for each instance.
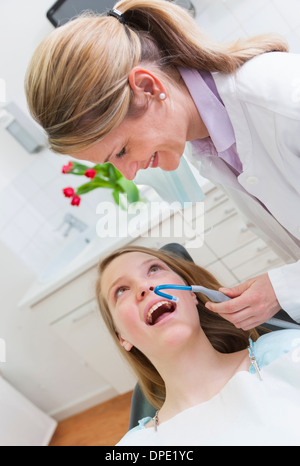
(266, 349)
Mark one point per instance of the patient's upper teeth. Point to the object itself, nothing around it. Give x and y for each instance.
(154, 307)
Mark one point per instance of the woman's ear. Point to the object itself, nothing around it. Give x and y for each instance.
(143, 82)
(126, 345)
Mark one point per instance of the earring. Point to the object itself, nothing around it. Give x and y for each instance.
(162, 96)
(127, 346)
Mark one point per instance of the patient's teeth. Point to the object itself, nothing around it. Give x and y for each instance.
(154, 307)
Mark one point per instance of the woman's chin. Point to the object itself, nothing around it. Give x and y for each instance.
(169, 161)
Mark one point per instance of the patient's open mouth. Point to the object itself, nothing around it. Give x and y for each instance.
(159, 311)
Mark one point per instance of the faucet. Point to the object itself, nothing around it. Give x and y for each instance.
(72, 222)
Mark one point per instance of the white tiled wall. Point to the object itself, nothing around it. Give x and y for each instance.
(226, 20)
(32, 209)
(32, 206)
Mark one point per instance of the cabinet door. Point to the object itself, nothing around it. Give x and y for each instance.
(85, 331)
(214, 198)
(260, 264)
(228, 236)
(244, 255)
(223, 275)
(202, 255)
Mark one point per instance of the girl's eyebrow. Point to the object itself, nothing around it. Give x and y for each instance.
(124, 277)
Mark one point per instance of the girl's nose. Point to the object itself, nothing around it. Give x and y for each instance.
(144, 291)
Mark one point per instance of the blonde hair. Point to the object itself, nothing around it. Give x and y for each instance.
(223, 335)
(77, 82)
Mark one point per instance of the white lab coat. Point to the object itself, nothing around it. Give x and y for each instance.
(263, 103)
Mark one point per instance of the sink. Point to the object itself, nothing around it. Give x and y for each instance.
(68, 254)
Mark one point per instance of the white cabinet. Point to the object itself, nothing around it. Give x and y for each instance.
(217, 238)
(231, 251)
(85, 331)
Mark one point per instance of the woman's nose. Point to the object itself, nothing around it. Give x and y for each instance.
(129, 171)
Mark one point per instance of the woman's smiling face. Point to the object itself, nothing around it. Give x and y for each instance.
(131, 145)
(128, 283)
(158, 133)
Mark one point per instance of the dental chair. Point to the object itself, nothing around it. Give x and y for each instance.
(140, 406)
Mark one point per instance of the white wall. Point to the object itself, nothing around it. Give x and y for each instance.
(38, 363)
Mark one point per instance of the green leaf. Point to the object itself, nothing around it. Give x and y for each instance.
(116, 196)
(112, 173)
(94, 184)
(130, 189)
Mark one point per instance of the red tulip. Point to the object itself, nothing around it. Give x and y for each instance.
(67, 168)
(90, 173)
(76, 200)
(69, 192)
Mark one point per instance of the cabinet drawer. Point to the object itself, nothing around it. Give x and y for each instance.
(86, 333)
(260, 264)
(228, 236)
(172, 230)
(69, 297)
(202, 256)
(214, 198)
(219, 214)
(245, 254)
(194, 216)
(222, 274)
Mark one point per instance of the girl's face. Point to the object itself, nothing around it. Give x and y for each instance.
(142, 318)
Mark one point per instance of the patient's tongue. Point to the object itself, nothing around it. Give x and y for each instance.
(160, 313)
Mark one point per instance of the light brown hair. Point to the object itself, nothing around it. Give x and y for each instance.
(77, 82)
(223, 335)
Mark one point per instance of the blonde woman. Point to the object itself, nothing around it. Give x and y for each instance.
(211, 383)
(133, 87)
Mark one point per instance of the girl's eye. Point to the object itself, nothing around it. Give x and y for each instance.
(120, 291)
(121, 154)
(154, 268)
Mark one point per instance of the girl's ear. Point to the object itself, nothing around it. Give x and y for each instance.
(126, 345)
(195, 299)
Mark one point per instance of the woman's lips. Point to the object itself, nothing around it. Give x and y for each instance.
(153, 161)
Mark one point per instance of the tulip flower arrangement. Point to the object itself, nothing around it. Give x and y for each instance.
(101, 176)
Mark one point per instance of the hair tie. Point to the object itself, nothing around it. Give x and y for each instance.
(116, 14)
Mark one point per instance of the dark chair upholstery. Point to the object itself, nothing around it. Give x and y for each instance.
(140, 407)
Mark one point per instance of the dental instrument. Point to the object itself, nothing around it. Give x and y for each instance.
(213, 295)
(216, 297)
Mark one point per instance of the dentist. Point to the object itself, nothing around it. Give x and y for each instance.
(134, 86)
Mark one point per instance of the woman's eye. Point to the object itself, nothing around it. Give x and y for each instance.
(121, 154)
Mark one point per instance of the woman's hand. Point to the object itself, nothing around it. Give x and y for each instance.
(253, 303)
